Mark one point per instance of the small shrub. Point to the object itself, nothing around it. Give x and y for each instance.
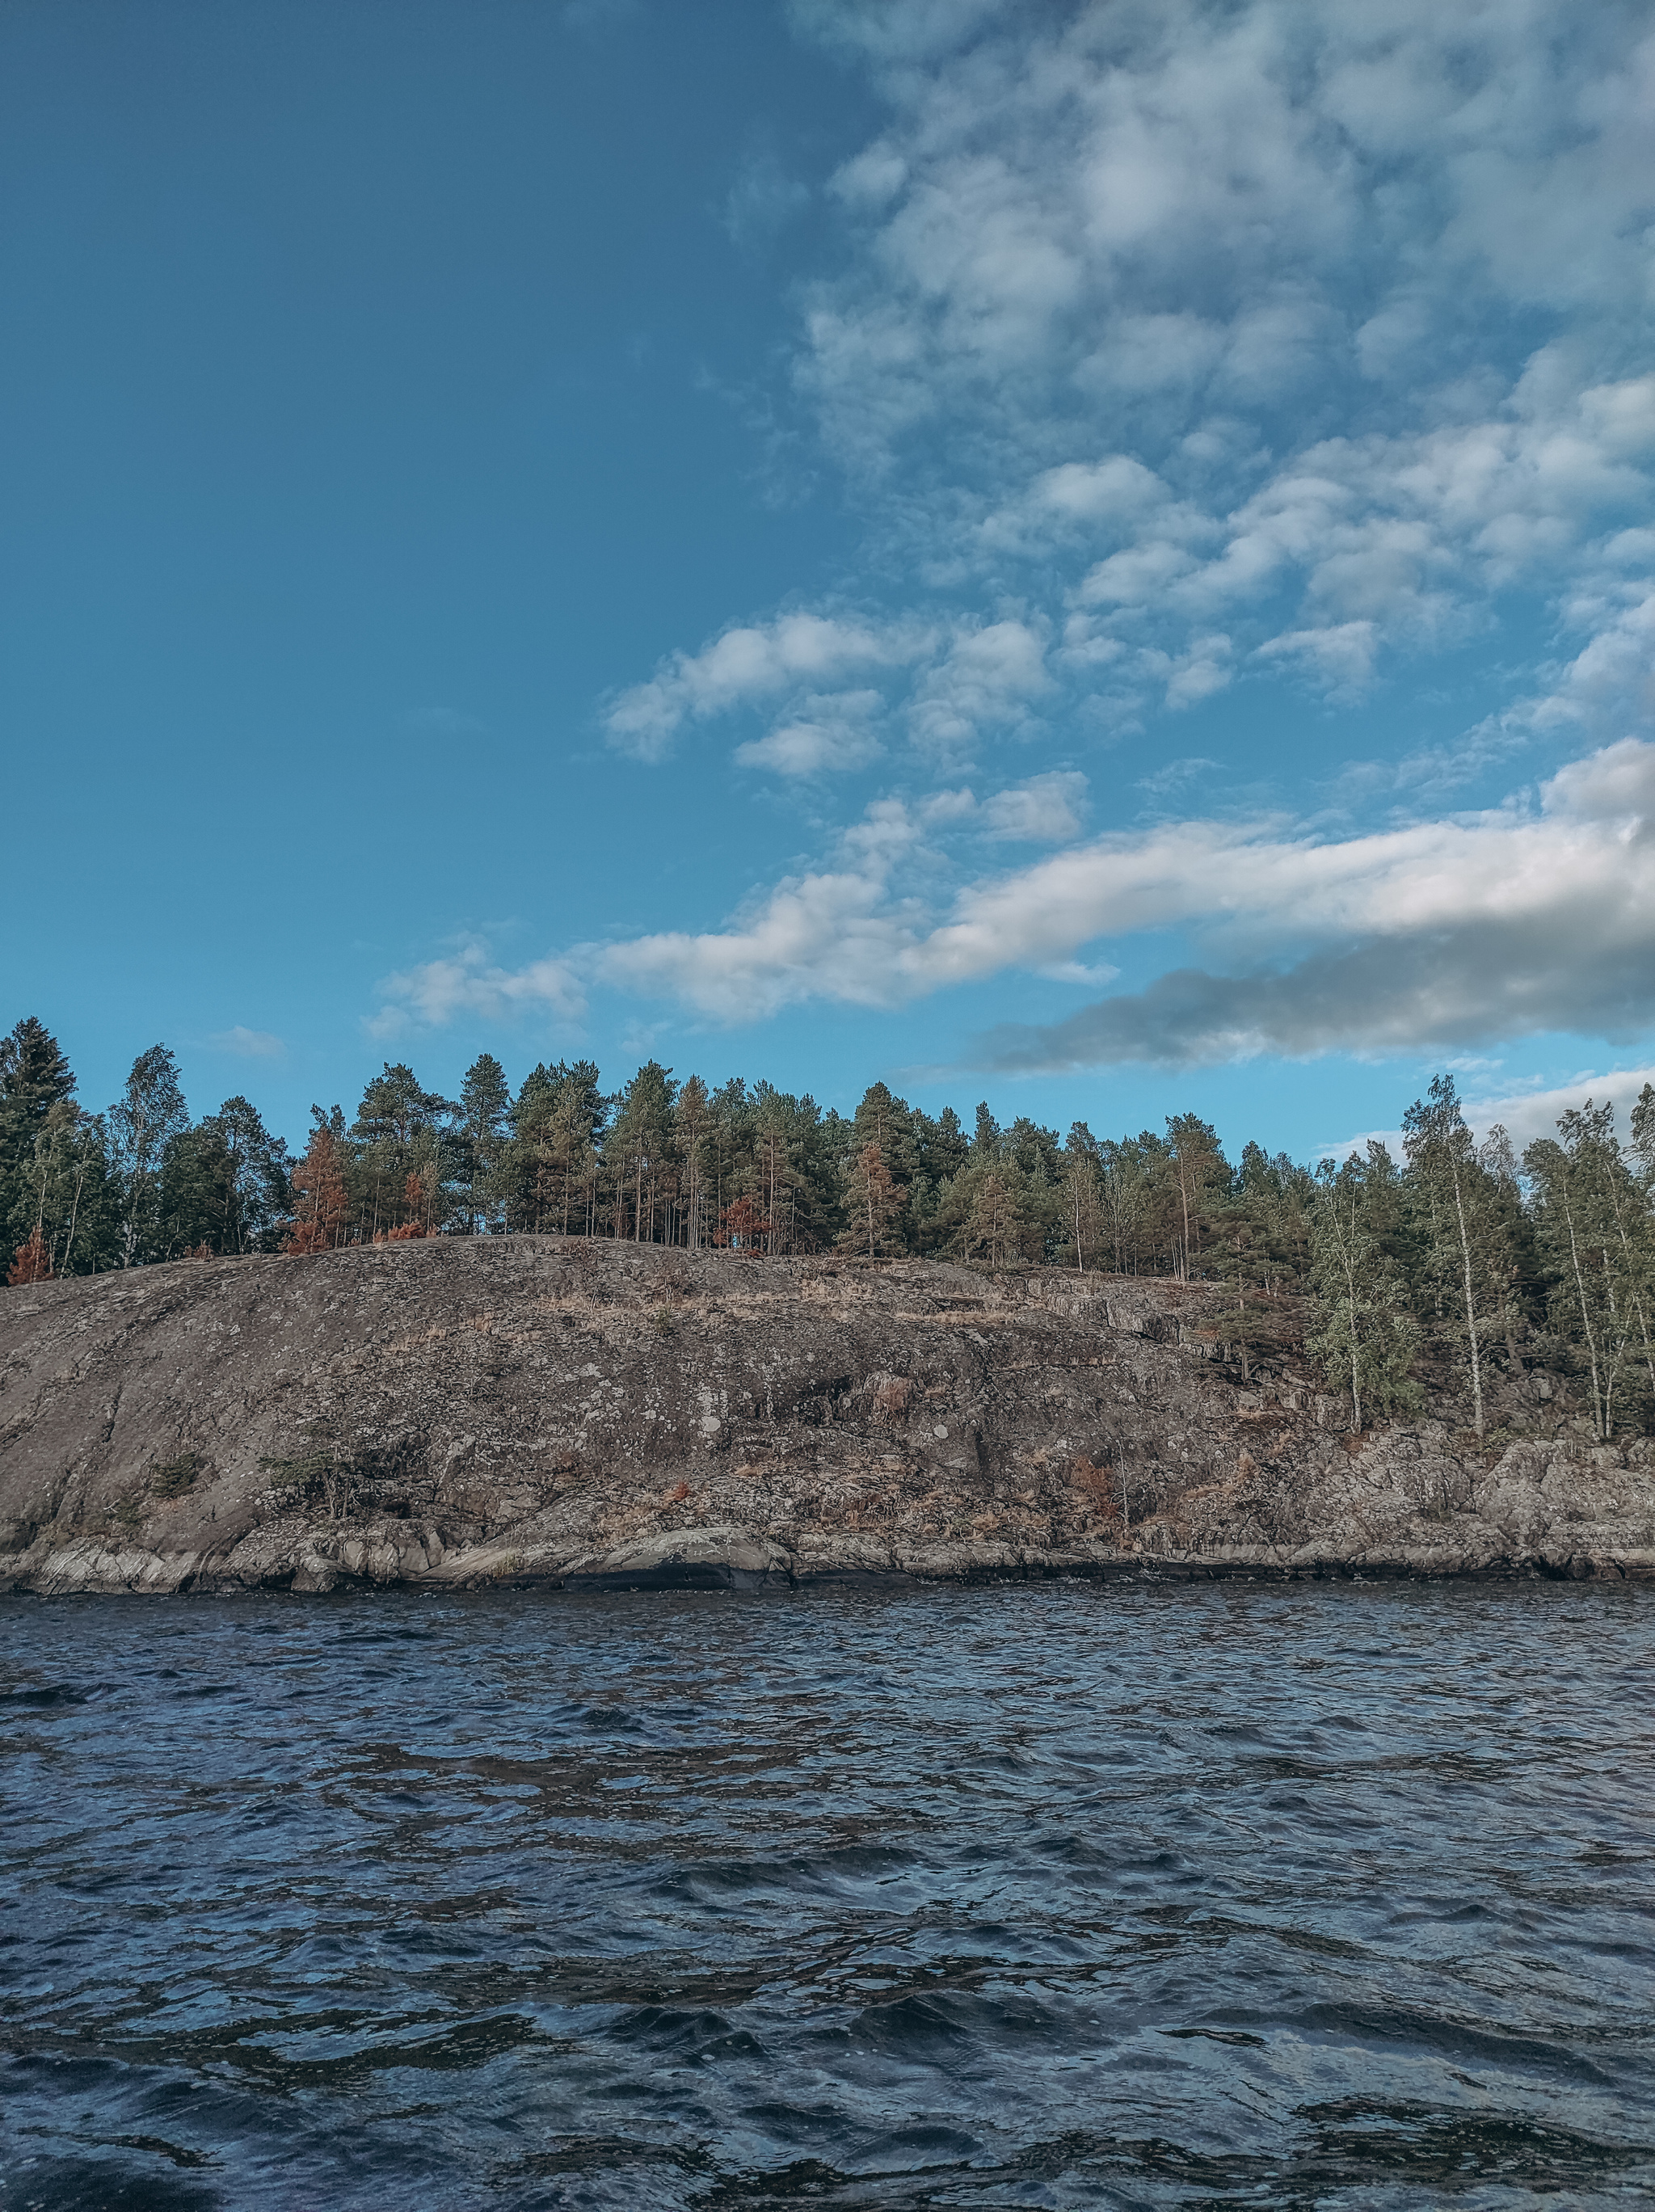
(31, 1262)
(664, 1324)
(175, 1476)
(128, 1512)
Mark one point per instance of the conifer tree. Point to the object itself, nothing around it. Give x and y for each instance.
(692, 1117)
(639, 1151)
(401, 1129)
(485, 1107)
(1125, 1194)
(1200, 1176)
(321, 1202)
(874, 1200)
(34, 1078)
(1364, 1338)
(999, 1228)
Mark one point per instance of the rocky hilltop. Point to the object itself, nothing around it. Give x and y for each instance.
(536, 1409)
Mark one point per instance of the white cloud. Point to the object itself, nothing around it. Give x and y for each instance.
(1538, 916)
(1199, 327)
(1043, 810)
(1340, 657)
(1165, 204)
(1447, 933)
(986, 680)
(470, 982)
(831, 733)
(1176, 345)
(1452, 931)
(746, 666)
(249, 1044)
(1526, 1114)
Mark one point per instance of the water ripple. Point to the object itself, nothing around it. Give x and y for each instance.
(1066, 1897)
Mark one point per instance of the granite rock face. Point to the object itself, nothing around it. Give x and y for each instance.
(608, 1416)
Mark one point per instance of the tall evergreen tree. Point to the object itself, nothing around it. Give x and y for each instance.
(874, 1200)
(401, 1129)
(223, 1184)
(639, 1151)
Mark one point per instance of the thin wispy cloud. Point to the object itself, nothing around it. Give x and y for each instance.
(243, 1043)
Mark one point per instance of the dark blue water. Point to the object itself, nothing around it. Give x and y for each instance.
(1145, 1896)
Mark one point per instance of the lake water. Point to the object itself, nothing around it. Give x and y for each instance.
(1129, 1896)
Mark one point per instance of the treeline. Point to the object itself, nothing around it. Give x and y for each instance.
(1457, 1247)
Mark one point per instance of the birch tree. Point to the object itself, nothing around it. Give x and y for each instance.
(1365, 1339)
(1595, 1232)
(149, 1111)
(1459, 1228)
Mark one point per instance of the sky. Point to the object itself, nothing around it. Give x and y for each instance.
(1097, 557)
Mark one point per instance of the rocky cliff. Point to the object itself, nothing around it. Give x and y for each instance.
(531, 1408)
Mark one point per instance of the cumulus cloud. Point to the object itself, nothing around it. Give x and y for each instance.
(470, 981)
(747, 666)
(986, 679)
(1175, 348)
(1258, 340)
(1044, 810)
(1177, 204)
(828, 734)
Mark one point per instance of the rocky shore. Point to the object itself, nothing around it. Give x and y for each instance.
(530, 1409)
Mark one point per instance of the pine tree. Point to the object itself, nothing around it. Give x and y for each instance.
(1200, 1178)
(639, 1151)
(401, 1129)
(1125, 1194)
(321, 1201)
(692, 1116)
(874, 1200)
(1365, 1339)
(34, 1078)
(485, 1109)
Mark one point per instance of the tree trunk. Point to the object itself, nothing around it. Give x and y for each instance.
(1470, 1303)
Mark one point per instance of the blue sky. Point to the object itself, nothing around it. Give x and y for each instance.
(1097, 556)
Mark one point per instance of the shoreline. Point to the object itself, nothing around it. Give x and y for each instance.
(457, 1413)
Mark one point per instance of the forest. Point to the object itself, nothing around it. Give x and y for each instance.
(1457, 1249)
